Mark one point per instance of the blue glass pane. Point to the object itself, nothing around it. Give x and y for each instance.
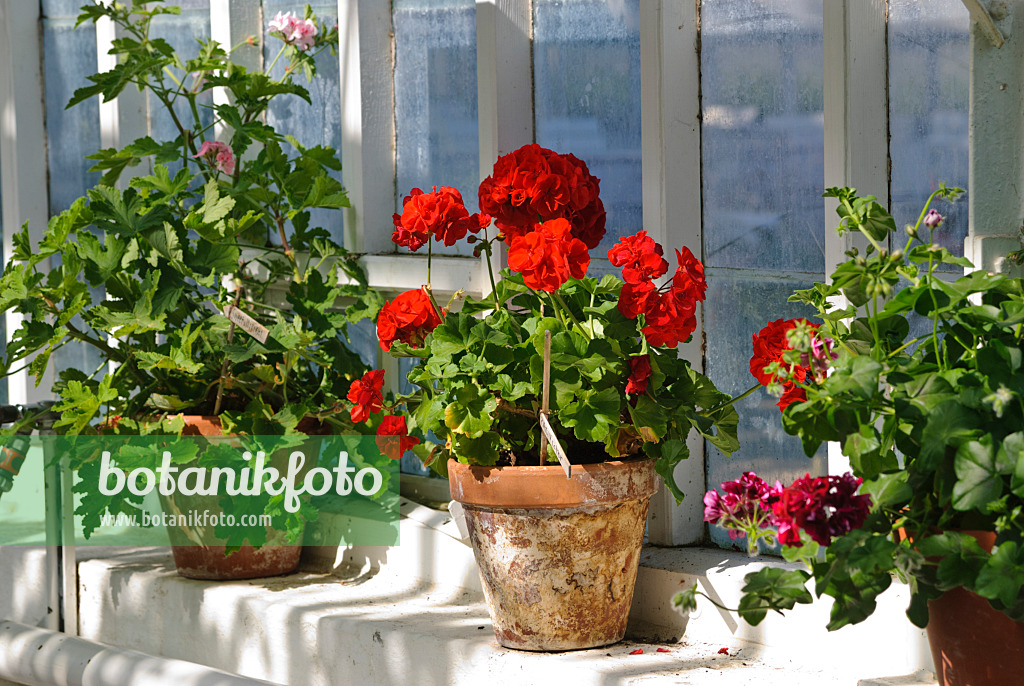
(929, 75)
(763, 134)
(183, 32)
(435, 99)
(587, 97)
(316, 124)
(69, 56)
(736, 309)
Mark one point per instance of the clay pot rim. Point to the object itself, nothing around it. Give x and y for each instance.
(545, 487)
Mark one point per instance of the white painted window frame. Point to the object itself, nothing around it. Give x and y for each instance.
(856, 152)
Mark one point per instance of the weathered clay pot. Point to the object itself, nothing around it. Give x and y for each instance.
(199, 554)
(972, 643)
(557, 557)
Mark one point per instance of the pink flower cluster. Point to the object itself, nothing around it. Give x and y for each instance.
(294, 31)
(218, 155)
(825, 507)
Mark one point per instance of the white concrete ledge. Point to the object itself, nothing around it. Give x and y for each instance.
(414, 613)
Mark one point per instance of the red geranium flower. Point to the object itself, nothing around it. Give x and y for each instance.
(408, 318)
(535, 184)
(824, 507)
(440, 213)
(768, 345)
(639, 374)
(637, 299)
(671, 321)
(689, 277)
(393, 437)
(366, 394)
(548, 256)
(640, 258)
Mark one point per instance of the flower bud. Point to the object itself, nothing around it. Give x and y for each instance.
(476, 251)
(911, 230)
(471, 239)
(933, 219)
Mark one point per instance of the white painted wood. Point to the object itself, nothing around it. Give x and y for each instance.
(996, 171)
(397, 273)
(671, 145)
(504, 77)
(856, 124)
(23, 192)
(232, 24)
(126, 117)
(856, 109)
(368, 123)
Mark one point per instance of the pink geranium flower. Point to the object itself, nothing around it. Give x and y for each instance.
(219, 155)
(294, 31)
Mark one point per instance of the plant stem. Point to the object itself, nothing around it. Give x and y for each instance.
(556, 297)
(276, 58)
(279, 220)
(734, 400)
(224, 365)
(498, 303)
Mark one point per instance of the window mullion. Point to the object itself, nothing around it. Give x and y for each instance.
(368, 122)
(856, 123)
(232, 22)
(671, 159)
(22, 156)
(504, 78)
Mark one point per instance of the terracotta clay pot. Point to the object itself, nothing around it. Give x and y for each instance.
(972, 643)
(557, 557)
(199, 554)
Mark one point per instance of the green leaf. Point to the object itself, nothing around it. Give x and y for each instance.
(949, 424)
(650, 419)
(773, 588)
(472, 411)
(1003, 573)
(888, 490)
(594, 415)
(978, 480)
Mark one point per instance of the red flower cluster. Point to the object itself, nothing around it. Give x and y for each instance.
(768, 345)
(440, 213)
(393, 437)
(640, 258)
(408, 318)
(824, 507)
(670, 312)
(367, 395)
(548, 256)
(639, 374)
(536, 183)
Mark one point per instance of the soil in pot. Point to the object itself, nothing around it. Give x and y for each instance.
(557, 557)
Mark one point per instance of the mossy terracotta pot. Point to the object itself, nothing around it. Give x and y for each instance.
(557, 557)
(972, 643)
(200, 554)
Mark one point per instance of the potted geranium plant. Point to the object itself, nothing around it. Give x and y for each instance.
(219, 304)
(558, 556)
(921, 385)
